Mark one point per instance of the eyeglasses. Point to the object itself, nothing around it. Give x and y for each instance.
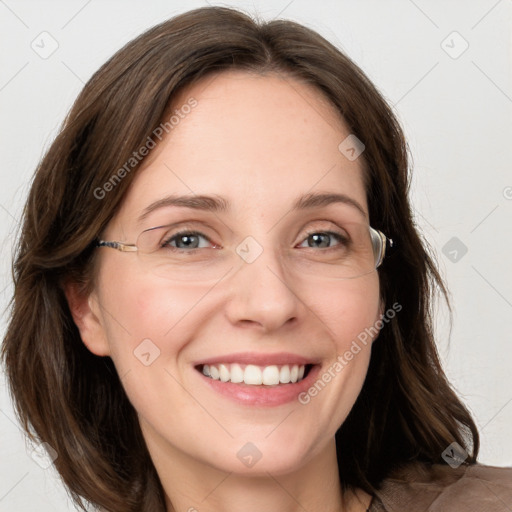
(353, 250)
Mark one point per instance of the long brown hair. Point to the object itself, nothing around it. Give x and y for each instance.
(73, 400)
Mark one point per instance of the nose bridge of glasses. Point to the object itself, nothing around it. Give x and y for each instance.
(255, 253)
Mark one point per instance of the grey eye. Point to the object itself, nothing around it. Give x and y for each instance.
(186, 240)
(322, 239)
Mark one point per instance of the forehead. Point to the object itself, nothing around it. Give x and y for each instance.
(261, 141)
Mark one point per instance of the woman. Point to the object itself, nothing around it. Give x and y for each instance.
(221, 301)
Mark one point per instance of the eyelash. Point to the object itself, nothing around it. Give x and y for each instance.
(338, 236)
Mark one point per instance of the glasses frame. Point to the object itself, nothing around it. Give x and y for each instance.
(384, 244)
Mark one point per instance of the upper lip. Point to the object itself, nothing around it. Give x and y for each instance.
(258, 359)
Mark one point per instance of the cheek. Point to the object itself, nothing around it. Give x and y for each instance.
(145, 308)
(348, 309)
(148, 323)
(348, 312)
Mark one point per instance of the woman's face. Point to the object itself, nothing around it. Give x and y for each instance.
(259, 143)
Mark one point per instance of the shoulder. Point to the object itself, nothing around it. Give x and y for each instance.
(441, 488)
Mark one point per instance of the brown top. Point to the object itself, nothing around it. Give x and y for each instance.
(441, 488)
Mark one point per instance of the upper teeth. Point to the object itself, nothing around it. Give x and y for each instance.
(255, 375)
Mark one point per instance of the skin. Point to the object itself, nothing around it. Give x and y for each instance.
(260, 142)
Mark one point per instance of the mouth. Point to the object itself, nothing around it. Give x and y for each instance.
(258, 379)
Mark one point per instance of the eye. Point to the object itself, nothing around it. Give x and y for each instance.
(184, 240)
(323, 239)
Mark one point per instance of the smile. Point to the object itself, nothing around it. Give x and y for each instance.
(258, 379)
(254, 375)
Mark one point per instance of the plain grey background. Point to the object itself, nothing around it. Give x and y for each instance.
(446, 69)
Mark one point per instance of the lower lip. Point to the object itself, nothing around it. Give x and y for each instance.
(264, 396)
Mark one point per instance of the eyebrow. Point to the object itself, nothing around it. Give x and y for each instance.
(218, 204)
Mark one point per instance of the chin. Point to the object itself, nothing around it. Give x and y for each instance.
(258, 456)
(278, 463)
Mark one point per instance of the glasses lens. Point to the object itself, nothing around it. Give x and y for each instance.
(185, 256)
(352, 250)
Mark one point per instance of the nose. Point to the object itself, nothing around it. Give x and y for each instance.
(260, 294)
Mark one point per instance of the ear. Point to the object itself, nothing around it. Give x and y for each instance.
(86, 312)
